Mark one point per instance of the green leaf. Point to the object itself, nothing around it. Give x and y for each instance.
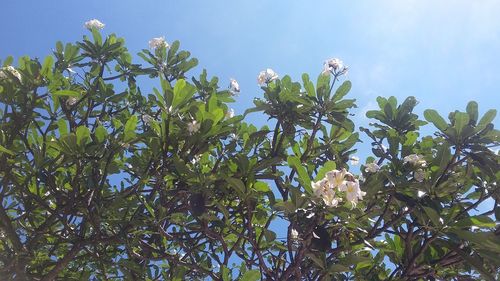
(342, 91)
(479, 221)
(251, 275)
(443, 157)
(182, 92)
(237, 184)
(100, 133)
(304, 179)
(338, 268)
(322, 86)
(129, 131)
(66, 93)
(328, 166)
(308, 85)
(433, 116)
(261, 186)
(461, 119)
(47, 66)
(5, 150)
(82, 135)
(148, 206)
(472, 111)
(97, 36)
(486, 119)
(8, 61)
(225, 273)
(63, 127)
(433, 215)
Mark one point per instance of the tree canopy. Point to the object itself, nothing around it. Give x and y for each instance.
(102, 180)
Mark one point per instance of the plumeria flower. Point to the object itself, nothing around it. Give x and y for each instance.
(158, 42)
(420, 193)
(419, 175)
(320, 187)
(334, 66)
(193, 127)
(94, 23)
(147, 119)
(196, 159)
(294, 234)
(330, 199)
(266, 76)
(415, 159)
(230, 113)
(9, 69)
(354, 160)
(234, 87)
(233, 137)
(372, 167)
(71, 101)
(353, 192)
(324, 190)
(337, 178)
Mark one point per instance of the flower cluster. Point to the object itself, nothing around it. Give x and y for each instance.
(372, 167)
(230, 113)
(266, 76)
(158, 42)
(419, 175)
(11, 70)
(71, 101)
(193, 127)
(234, 87)
(334, 66)
(94, 23)
(341, 181)
(415, 160)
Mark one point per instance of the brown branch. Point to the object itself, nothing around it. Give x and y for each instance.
(62, 263)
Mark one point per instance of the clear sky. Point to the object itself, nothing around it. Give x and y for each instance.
(443, 52)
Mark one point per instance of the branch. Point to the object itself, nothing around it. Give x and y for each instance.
(62, 263)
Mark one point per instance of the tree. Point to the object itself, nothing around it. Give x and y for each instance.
(100, 180)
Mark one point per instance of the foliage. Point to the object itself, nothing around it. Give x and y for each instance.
(100, 180)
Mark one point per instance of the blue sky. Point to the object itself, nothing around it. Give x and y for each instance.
(445, 53)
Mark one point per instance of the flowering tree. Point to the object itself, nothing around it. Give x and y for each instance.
(100, 180)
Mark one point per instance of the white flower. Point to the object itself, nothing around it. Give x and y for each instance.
(372, 167)
(334, 63)
(71, 101)
(158, 42)
(334, 66)
(196, 159)
(415, 159)
(147, 119)
(230, 113)
(324, 190)
(337, 178)
(266, 76)
(419, 175)
(193, 127)
(294, 234)
(234, 87)
(420, 193)
(330, 199)
(320, 187)
(9, 69)
(353, 192)
(91, 24)
(354, 160)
